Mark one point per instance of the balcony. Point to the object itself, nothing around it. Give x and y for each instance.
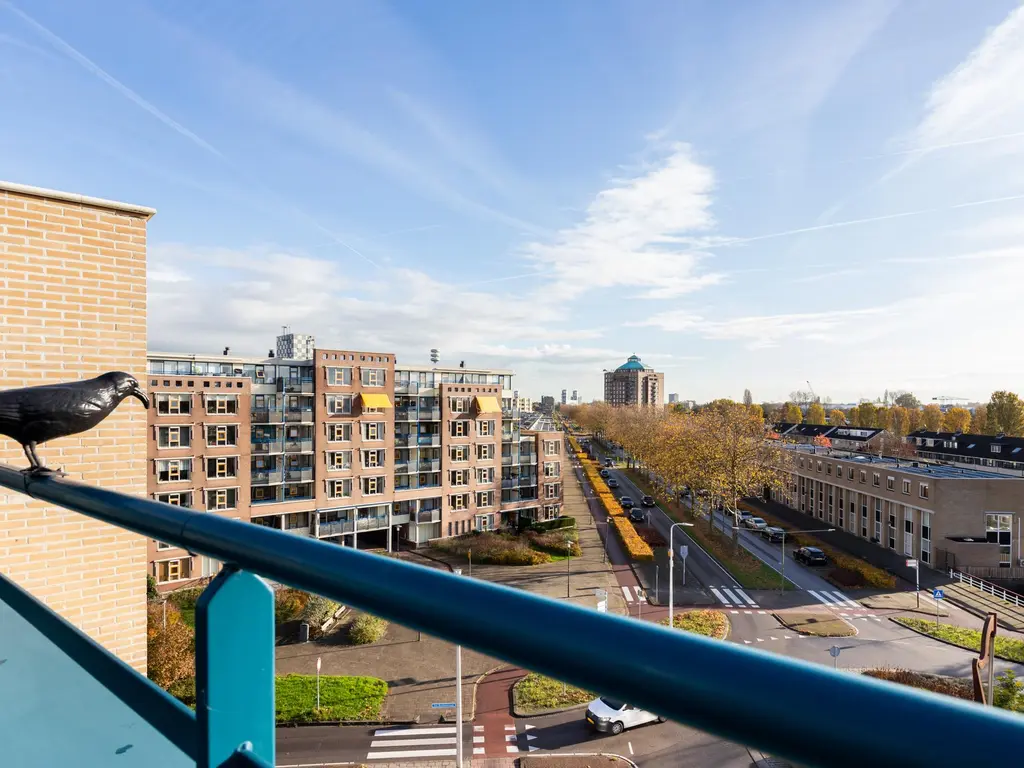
(406, 387)
(528, 458)
(298, 414)
(299, 446)
(265, 416)
(406, 414)
(430, 414)
(267, 446)
(265, 477)
(406, 441)
(296, 385)
(298, 475)
(508, 461)
(430, 465)
(336, 527)
(428, 516)
(54, 672)
(428, 440)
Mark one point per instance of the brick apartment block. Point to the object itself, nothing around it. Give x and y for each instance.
(73, 306)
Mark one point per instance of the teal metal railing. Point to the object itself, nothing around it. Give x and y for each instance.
(807, 713)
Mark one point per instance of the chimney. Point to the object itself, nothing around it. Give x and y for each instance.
(226, 350)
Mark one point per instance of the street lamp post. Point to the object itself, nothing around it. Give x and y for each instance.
(671, 565)
(458, 696)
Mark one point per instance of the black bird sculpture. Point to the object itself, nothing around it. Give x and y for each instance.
(34, 415)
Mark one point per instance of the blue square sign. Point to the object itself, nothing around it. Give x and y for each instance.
(938, 594)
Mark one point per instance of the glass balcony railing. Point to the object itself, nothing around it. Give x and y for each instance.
(52, 673)
(265, 476)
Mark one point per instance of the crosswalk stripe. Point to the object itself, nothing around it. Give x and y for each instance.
(478, 739)
(478, 728)
(747, 642)
(627, 594)
(720, 597)
(822, 598)
(743, 594)
(411, 753)
(733, 611)
(731, 596)
(414, 731)
(844, 600)
(478, 750)
(410, 742)
(639, 593)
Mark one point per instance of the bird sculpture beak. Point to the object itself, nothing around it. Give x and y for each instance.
(137, 392)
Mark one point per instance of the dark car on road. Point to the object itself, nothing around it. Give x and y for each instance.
(605, 473)
(637, 515)
(773, 533)
(609, 462)
(626, 502)
(648, 501)
(613, 483)
(810, 556)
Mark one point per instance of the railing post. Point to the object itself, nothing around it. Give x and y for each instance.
(235, 668)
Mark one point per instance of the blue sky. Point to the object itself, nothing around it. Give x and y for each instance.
(746, 195)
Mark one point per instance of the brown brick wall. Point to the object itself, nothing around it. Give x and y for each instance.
(73, 306)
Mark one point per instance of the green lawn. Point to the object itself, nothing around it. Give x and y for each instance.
(537, 693)
(748, 570)
(701, 621)
(1005, 648)
(341, 698)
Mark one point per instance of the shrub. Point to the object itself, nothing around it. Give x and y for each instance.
(553, 542)
(366, 629)
(556, 524)
(948, 686)
(494, 549)
(170, 648)
(289, 604)
(184, 690)
(636, 548)
(152, 593)
(318, 609)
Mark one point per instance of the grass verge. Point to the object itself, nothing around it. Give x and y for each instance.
(537, 693)
(809, 623)
(970, 639)
(749, 571)
(702, 621)
(529, 548)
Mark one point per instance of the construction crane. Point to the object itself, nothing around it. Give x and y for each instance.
(814, 397)
(945, 400)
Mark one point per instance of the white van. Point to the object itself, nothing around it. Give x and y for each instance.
(607, 715)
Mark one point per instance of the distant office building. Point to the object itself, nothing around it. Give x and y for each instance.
(575, 396)
(564, 393)
(673, 398)
(521, 404)
(295, 346)
(634, 384)
(547, 404)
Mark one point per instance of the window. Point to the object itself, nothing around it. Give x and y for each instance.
(552, 491)
(173, 437)
(372, 377)
(999, 530)
(339, 433)
(878, 520)
(485, 474)
(339, 489)
(458, 404)
(181, 499)
(996, 448)
(339, 377)
(459, 452)
(373, 430)
(221, 434)
(220, 404)
(922, 490)
(459, 476)
(830, 512)
(892, 525)
(908, 531)
(173, 470)
(338, 405)
(459, 501)
(906, 487)
(828, 469)
(173, 570)
(173, 404)
(222, 466)
(485, 499)
(339, 460)
(819, 466)
(926, 537)
(890, 483)
(485, 451)
(841, 509)
(373, 485)
(160, 545)
(485, 428)
(458, 428)
(552, 447)
(222, 498)
(374, 458)
(551, 511)
(552, 469)
(864, 477)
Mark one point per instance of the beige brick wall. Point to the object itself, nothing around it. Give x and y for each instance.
(73, 306)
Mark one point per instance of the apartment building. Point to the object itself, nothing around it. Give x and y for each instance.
(844, 438)
(347, 446)
(634, 384)
(997, 453)
(947, 517)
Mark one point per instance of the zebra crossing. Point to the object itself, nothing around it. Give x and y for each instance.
(733, 596)
(408, 743)
(628, 594)
(833, 599)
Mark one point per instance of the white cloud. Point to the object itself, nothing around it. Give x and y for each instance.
(634, 233)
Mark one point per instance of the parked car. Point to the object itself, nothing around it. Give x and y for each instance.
(613, 483)
(605, 473)
(637, 515)
(773, 533)
(606, 715)
(626, 502)
(810, 556)
(743, 514)
(609, 462)
(648, 501)
(755, 522)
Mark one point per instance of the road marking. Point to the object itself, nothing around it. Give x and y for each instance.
(876, 618)
(731, 596)
(627, 594)
(762, 612)
(844, 600)
(413, 731)
(478, 739)
(774, 638)
(743, 594)
(720, 597)
(411, 753)
(733, 611)
(630, 745)
(822, 598)
(410, 742)
(478, 750)
(787, 637)
(760, 640)
(512, 750)
(747, 642)
(510, 727)
(478, 728)
(511, 738)
(528, 727)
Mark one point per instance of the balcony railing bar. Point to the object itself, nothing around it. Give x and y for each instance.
(718, 687)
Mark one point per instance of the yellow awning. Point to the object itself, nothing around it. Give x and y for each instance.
(374, 400)
(487, 405)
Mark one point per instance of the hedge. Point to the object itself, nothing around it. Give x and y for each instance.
(636, 547)
(551, 525)
(869, 574)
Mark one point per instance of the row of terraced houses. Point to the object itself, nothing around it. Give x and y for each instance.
(343, 445)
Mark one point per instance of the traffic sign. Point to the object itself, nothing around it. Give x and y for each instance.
(684, 550)
(911, 563)
(938, 594)
(443, 705)
(834, 651)
(602, 600)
